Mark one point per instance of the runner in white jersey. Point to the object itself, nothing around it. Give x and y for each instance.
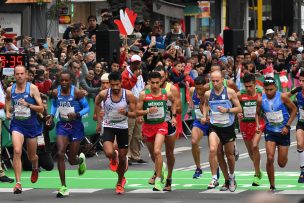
(119, 104)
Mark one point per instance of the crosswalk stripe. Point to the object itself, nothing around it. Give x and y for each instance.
(82, 190)
(291, 192)
(146, 191)
(216, 191)
(11, 189)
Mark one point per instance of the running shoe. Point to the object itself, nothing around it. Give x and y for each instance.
(82, 167)
(119, 189)
(301, 177)
(17, 189)
(232, 184)
(272, 189)
(225, 186)
(197, 174)
(114, 162)
(213, 184)
(152, 179)
(35, 175)
(63, 192)
(168, 185)
(158, 186)
(5, 179)
(163, 176)
(257, 179)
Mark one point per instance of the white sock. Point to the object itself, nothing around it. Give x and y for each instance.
(301, 157)
(214, 177)
(231, 176)
(157, 179)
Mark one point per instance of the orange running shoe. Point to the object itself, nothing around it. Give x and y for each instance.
(114, 162)
(35, 175)
(120, 189)
(17, 189)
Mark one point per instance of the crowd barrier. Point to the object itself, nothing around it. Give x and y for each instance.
(90, 124)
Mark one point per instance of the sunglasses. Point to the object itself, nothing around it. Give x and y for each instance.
(269, 82)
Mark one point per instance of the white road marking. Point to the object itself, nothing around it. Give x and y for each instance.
(216, 191)
(146, 191)
(291, 192)
(82, 190)
(178, 150)
(11, 189)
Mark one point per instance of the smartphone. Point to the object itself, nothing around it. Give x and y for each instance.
(8, 29)
(41, 41)
(153, 38)
(8, 40)
(154, 49)
(19, 38)
(132, 36)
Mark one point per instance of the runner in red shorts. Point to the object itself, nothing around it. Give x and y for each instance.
(152, 105)
(251, 134)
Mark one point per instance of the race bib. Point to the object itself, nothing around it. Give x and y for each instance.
(64, 111)
(220, 118)
(22, 112)
(249, 111)
(40, 140)
(159, 114)
(275, 117)
(198, 113)
(115, 116)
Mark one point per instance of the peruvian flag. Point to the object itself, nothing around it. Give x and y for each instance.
(284, 79)
(126, 22)
(268, 71)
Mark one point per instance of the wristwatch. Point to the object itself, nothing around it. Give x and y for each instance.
(287, 126)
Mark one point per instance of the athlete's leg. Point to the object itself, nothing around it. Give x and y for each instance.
(196, 136)
(270, 151)
(62, 143)
(213, 146)
(17, 139)
(31, 147)
(256, 157)
(170, 143)
(282, 156)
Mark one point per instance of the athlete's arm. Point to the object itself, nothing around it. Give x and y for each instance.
(8, 101)
(97, 108)
(294, 91)
(258, 113)
(83, 101)
(235, 101)
(132, 105)
(291, 106)
(36, 94)
(175, 95)
(205, 107)
(240, 115)
(173, 107)
(140, 103)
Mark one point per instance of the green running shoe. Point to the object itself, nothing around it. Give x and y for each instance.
(157, 186)
(63, 192)
(257, 179)
(163, 176)
(82, 167)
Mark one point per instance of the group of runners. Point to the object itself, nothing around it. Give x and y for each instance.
(217, 106)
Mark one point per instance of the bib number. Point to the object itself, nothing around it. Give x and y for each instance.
(115, 116)
(275, 118)
(22, 112)
(64, 111)
(198, 113)
(220, 118)
(249, 112)
(157, 115)
(301, 113)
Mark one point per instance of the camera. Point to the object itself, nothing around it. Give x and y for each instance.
(8, 40)
(8, 29)
(39, 72)
(154, 49)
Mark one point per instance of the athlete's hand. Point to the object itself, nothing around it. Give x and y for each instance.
(173, 121)
(23, 102)
(140, 120)
(49, 120)
(285, 131)
(222, 109)
(240, 115)
(153, 109)
(8, 116)
(72, 116)
(204, 120)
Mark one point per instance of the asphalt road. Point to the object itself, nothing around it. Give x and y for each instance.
(184, 162)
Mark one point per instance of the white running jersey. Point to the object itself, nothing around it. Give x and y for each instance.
(112, 118)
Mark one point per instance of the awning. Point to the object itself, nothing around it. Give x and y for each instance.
(192, 10)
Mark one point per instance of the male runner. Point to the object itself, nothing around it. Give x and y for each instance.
(119, 104)
(275, 106)
(26, 101)
(248, 98)
(219, 101)
(152, 105)
(300, 125)
(198, 129)
(71, 104)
